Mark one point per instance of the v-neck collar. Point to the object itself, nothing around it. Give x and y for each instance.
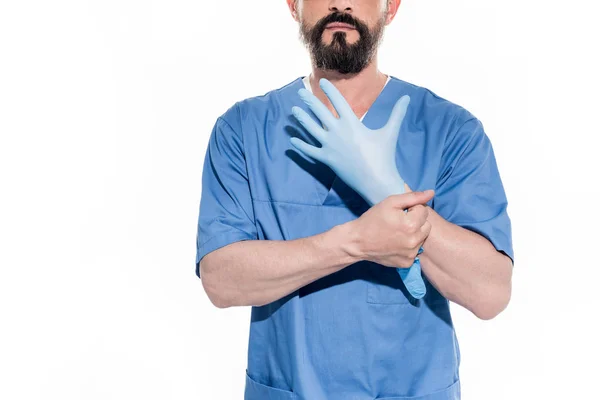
(306, 82)
(338, 193)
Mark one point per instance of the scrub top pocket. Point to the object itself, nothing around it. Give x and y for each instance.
(258, 391)
(450, 393)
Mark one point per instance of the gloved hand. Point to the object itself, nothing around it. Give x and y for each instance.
(363, 158)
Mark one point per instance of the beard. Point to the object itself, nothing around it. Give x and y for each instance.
(339, 55)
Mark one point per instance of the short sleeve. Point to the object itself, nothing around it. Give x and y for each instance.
(469, 190)
(226, 213)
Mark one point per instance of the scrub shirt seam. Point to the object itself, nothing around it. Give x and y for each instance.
(230, 231)
(446, 138)
(241, 135)
(460, 156)
(300, 204)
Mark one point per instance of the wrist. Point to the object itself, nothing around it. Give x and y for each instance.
(381, 189)
(377, 192)
(349, 240)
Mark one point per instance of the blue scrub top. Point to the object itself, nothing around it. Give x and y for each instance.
(355, 334)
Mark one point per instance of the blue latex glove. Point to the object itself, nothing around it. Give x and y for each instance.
(363, 158)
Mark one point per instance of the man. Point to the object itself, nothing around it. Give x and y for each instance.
(331, 318)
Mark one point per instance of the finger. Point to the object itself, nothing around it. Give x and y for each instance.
(317, 108)
(415, 250)
(407, 200)
(397, 115)
(307, 122)
(339, 102)
(424, 232)
(426, 229)
(422, 238)
(417, 216)
(309, 150)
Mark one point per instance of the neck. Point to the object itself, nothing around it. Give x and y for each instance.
(357, 89)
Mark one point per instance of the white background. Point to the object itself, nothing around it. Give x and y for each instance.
(105, 112)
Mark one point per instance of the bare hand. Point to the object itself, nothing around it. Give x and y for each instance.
(390, 236)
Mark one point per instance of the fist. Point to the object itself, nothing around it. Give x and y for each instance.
(390, 236)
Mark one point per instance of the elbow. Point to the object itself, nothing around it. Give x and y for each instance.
(218, 302)
(211, 286)
(488, 313)
(220, 290)
(495, 298)
(491, 305)
(215, 298)
(214, 295)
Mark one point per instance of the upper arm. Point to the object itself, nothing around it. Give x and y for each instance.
(226, 213)
(469, 190)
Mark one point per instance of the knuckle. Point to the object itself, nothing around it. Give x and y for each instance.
(421, 211)
(411, 226)
(415, 252)
(418, 207)
(405, 263)
(428, 227)
(413, 242)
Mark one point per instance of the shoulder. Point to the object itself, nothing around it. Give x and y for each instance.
(258, 105)
(452, 124)
(432, 106)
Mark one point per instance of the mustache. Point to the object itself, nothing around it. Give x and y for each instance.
(337, 16)
(341, 17)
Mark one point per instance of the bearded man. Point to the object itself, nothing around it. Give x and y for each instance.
(296, 231)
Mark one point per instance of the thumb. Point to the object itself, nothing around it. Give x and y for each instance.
(397, 115)
(407, 200)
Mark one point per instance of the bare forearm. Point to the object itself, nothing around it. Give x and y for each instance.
(257, 272)
(466, 268)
